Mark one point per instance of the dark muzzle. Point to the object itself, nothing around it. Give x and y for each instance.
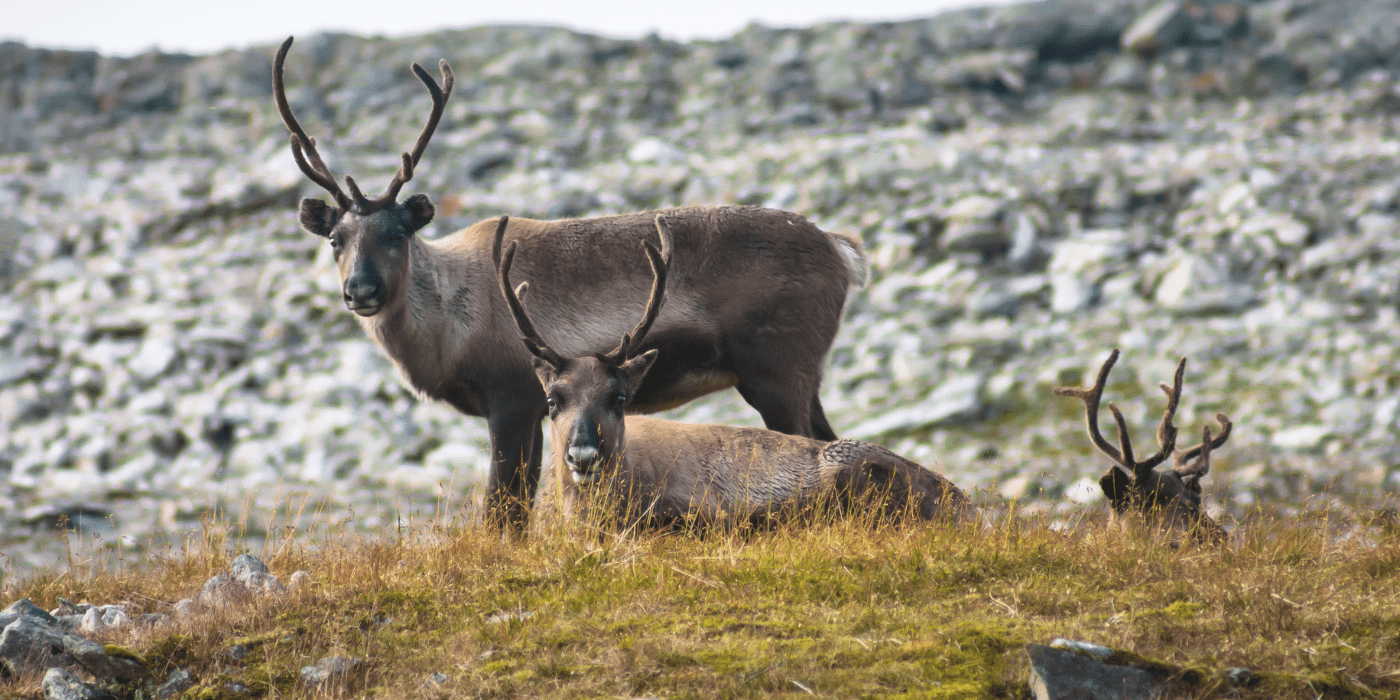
(364, 294)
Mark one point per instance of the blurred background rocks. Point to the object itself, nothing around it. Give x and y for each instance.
(1036, 184)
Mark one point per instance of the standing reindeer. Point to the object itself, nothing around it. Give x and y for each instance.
(757, 300)
(660, 473)
(1168, 499)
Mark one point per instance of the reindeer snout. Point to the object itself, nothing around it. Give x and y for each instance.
(362, 296)
(582, 456)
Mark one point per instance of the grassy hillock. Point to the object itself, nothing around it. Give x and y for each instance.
(835, 610)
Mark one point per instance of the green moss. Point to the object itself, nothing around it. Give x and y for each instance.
(501, 666)
(174, 650)
(213, 689)
(122, 652)
(269, 677)
(1183, 610)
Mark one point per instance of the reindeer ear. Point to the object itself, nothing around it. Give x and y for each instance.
(1118, 487)
(544, 370)
(318, 217)
(636, 368)
(420, 211)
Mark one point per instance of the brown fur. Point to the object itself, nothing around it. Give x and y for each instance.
(758, 299)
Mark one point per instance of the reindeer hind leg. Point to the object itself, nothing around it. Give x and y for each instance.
(871, 475)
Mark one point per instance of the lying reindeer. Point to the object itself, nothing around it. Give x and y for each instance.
(661, 473)
(1168, 499)
(758, 300)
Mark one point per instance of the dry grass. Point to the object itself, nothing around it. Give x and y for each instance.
(837, 609)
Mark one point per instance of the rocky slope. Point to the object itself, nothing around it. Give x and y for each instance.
(1037, 184)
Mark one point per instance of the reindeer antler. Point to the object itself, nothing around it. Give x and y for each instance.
(1143, 488)
(309, 160)
(303, 146)
(532, 338)
(1183, 457)
(410, 159)
(659, 265)
(1166, 432)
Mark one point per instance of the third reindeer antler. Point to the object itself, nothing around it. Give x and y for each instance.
(1166, 432)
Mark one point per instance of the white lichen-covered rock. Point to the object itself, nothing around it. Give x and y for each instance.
(60, 684)
(329, 671)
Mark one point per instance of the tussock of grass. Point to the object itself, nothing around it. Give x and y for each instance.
(926, 612)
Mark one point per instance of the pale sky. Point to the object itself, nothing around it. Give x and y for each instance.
(124, 27)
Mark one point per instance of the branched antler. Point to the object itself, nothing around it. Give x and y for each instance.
(310, 162)
(659, 264)
(1166, 432)
(303, 146)
(1142, 487)
(532, 338)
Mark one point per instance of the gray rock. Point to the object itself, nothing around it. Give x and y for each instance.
(1094, 651)
(1198, 285)
(153, 358)
(1300, 437)
(330, 671)
(1072, 293)
(262, 584)
(149, 620)
(1283, 228)
(1058, 674)
(1025, 235)
(1125, 72)
(975, 224)
(59, 684)
(93, 623)
(957, 398)
(28, 646)
(298, 579)
(94, 658)
(1238, 676)
(177, 683)
(26, 607)
(114, 616)
(1163, 26)
(223, 591)
(245, 564)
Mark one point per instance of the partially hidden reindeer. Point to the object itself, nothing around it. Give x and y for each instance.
(756, 301)
(659, 473)
(1169, 499)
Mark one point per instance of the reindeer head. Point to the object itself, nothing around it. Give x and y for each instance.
(587, 396)
(1171, 497)
(369, 236)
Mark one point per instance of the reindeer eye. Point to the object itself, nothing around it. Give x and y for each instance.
(621, 399)
(551, 403)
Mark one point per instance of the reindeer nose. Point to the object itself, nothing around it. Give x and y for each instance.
(582, 456)
(361, 291)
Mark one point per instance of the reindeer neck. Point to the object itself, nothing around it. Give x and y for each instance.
(423, 328)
